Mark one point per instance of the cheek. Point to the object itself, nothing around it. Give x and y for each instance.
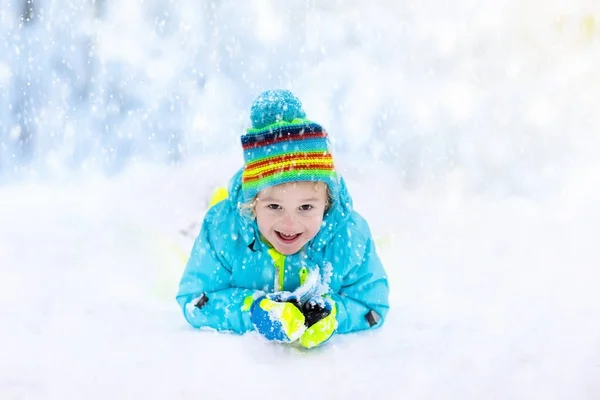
(260, 220)
(314, 225)
(263, 220)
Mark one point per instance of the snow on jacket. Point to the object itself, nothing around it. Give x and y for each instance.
(230, 265)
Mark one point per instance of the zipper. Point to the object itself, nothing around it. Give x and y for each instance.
(279, 262)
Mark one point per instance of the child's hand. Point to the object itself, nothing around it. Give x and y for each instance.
(277, 317)
(320, 320)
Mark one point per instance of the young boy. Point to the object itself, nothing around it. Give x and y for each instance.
(285, 253)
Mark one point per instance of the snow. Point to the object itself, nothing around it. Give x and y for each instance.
(491, 298)
(468, 136)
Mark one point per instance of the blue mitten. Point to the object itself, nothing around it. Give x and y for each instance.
(277, 317)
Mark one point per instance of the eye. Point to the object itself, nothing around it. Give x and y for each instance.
(274, 206)
(306, 207)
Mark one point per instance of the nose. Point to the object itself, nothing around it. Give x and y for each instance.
(288, 220)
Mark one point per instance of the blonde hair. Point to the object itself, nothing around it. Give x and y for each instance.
(248, 209)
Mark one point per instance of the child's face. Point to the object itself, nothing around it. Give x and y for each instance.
(290, 214)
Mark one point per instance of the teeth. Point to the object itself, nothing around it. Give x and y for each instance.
(285, 235)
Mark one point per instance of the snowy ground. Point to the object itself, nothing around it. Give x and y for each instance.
(491, 298)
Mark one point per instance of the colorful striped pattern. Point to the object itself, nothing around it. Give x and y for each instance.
(286, 152)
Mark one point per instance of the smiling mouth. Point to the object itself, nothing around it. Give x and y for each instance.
(287, 238)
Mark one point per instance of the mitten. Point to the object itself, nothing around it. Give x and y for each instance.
(320, 320)
(277, 317)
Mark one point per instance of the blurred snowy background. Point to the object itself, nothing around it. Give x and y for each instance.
(502, 97)
(469, 135)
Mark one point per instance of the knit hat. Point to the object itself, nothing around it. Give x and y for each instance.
(284, 146)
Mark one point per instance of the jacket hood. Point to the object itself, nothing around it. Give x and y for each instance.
(339, 212)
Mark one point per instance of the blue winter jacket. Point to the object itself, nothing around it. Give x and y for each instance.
(229, 264)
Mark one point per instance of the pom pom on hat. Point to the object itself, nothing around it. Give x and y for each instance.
(275, 106)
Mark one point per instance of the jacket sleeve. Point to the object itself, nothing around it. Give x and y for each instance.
(205, 294)
(362, 301)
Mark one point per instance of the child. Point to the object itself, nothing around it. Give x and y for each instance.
(285, 253)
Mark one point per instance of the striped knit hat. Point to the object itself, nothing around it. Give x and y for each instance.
(283, 146)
